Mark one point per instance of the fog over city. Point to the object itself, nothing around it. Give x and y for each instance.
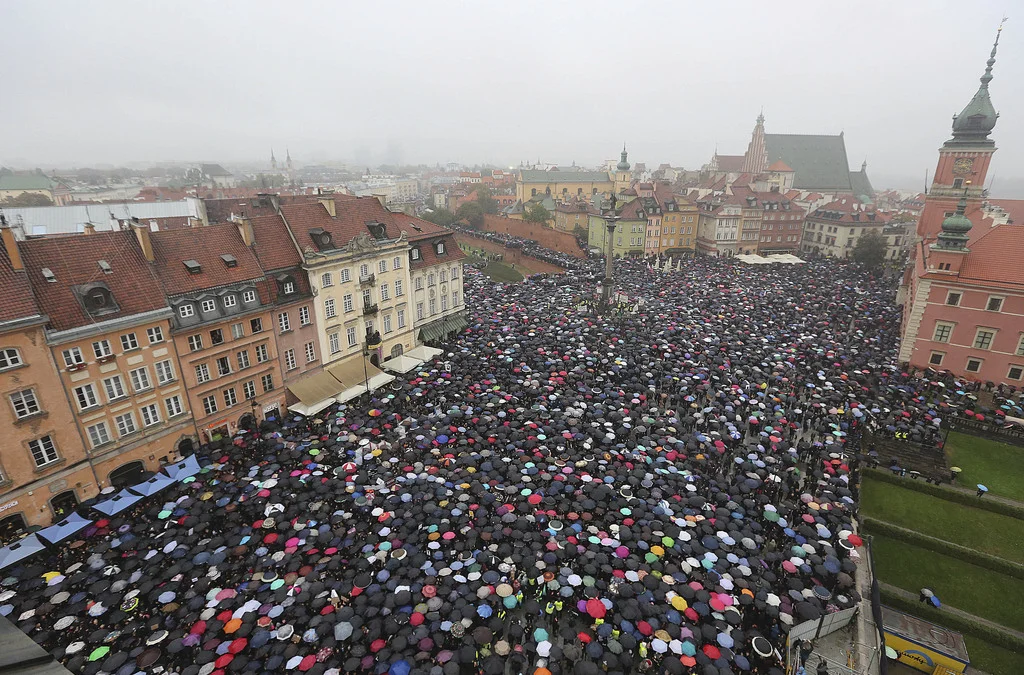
(415, 82)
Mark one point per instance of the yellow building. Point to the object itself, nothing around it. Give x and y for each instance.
(571, 215)
(562, 185)
(679, 221)
(17, 186)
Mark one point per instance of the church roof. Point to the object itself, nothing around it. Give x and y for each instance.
(730, 163)
(779, 165)
(819, 161)
(538, 176)
(862, 186)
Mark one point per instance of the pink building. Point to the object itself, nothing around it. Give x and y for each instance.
(963, 291)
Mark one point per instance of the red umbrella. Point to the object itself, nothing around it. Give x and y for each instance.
(307, 662)
(377, 645)
(596, 608)
(224, 660)
(237, 645)
(855, 540)
(584, 638)
(712, 651)
(645, 628)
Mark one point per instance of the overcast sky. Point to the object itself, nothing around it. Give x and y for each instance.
(411, 82)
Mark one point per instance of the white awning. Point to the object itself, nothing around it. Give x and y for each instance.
(312, 409)
(379, 380)
(424, 353)
(314, 388)
(401, 364)
(349, 394)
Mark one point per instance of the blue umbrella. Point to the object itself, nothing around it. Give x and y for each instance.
(118, 503)
(66, 528)
(153, 485)
(935, 601)
(18, 551)
(982, 487)
(484, 611)
(183, 469)
(400, 668)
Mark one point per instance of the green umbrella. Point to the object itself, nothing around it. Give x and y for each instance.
(99, 653)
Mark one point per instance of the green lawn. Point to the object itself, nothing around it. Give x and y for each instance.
(991, 658)
(967, 587)
(985, 531)
(498, 271)
(998, 466)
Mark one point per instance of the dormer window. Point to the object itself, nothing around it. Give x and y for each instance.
(209, 306)
(97, 299)
(440, 248)
(229, 260)
(414, 254)
(377, 230)
(321, 238)
(192, 266)
(289, 287)
(249, 296)
(186, 311)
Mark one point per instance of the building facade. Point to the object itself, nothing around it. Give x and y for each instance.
(42, 463)
(834, 229)
(562, 185)
(110, 340)
(224, 323)
(963, 291)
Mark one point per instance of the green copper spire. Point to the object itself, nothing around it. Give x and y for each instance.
(623, 165)
(978, 118)
(955, 228)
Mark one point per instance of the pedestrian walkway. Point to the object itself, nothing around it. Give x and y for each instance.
(948, 609)
(988, 496)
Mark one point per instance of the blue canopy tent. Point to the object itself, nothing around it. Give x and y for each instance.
(18, 551)
(58, 532)
(153, 485)
(118, 503)
(183, 469)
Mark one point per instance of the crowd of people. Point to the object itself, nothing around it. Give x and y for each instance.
(668, 489)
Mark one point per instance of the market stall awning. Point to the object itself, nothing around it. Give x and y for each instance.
(312, 389)
(380, 379)
(183, 469)
(152, 486)
(401, 364)
(311, 409)
(350, 393)
(118, 503)
(352, 371)
(64, 529)
(424, 353)
(443, 327)
(18, 551)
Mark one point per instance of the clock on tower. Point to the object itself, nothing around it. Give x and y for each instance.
(963, 166)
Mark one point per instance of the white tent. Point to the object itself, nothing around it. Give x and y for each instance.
(401, 364)
(312, 409)
(424, 353)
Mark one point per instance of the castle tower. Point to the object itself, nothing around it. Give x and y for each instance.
(963, 160)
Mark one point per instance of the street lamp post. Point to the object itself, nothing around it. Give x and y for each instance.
(253, 405)
(611, 220)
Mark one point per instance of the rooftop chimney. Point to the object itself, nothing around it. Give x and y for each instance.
(245, 229)
(10, 244)
(89, 228)
(327, 200)
(145, 243)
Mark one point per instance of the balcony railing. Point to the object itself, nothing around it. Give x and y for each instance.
(370, 309)
(368, 279)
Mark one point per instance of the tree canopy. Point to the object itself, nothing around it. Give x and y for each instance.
(472, 213)
(870, 249)
(440, 216)
(536, 213)
(28, 199)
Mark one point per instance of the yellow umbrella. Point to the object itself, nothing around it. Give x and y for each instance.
(679, 603)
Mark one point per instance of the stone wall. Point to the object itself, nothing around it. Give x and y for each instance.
(545, 236)
(512, 256)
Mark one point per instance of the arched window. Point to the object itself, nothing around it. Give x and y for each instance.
(64, 504)
(128, 474)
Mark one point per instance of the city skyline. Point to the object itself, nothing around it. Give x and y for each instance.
(890, 82)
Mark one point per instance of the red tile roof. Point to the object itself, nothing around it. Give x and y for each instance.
(1013, 207)
(845, 207)
(16, 301)
(274, 246)
(205, 245)
(428, 255)
(995, 256)
(730, 163)
(779, 165)
(352, 216)
(74, 261)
